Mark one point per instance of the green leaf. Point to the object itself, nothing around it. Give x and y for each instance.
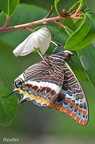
(87, 58)
(91, 34)
(8, 106)
(75, 6)
(8, 6)
(79, 34)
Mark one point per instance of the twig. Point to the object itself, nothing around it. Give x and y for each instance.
(28, 29)
(48, 15)
(23, 26)
(60, 24)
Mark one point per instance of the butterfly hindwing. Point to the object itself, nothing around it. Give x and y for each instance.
(71, 99)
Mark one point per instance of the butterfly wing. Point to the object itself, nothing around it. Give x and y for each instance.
(71, 99)
(52, 83)
(40, 83)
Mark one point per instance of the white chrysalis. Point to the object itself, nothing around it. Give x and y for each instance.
(38, 39)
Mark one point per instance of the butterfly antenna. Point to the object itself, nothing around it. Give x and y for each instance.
(6, 96)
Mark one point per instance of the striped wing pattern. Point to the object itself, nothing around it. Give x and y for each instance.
(40, 84)
(52, 83)
(71, 99)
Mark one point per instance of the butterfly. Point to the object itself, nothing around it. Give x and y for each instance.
(52, 83)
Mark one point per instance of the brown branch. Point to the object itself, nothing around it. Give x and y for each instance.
(42, 21)
(23, 26)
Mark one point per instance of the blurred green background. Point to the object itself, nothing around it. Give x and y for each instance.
(35, 125)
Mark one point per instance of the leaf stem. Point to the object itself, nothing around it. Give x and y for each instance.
(6, 22)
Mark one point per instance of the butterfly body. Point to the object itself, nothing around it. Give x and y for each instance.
(52, 83)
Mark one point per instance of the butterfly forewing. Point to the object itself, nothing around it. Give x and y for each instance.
(40, 83)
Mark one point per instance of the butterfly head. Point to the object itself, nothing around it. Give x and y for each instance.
(17, 83)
